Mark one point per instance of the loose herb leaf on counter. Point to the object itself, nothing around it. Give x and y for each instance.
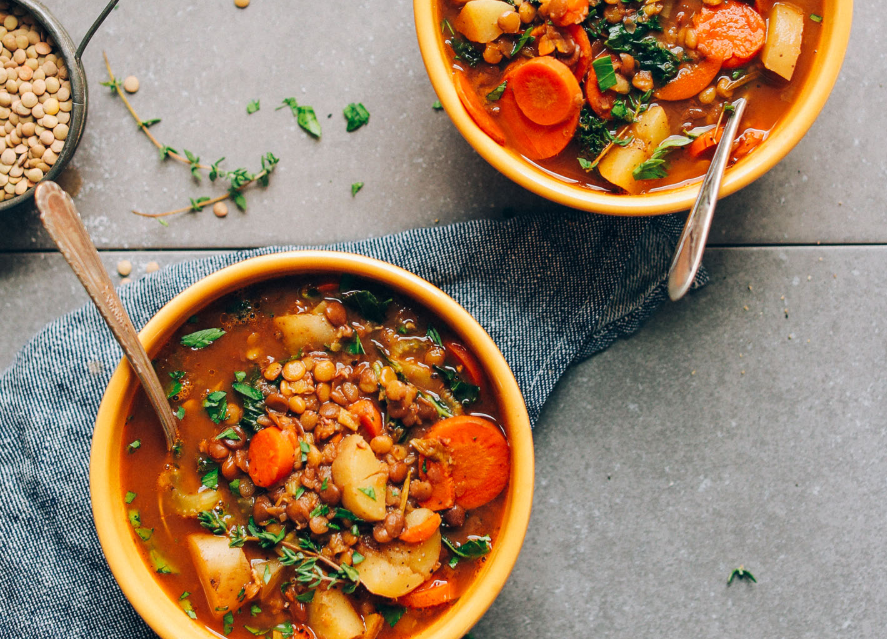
(355, 188)
(357, 115)
(252, 107)
(304, 115)
(741, 573)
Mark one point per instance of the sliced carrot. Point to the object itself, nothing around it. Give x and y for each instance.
(476, 110)
(600, 102)
(443, 486)
(479, 458)
(566, 12)
(546, 90)
(705, 142)
(271, 456)
(534, 141)
(747, 143)
(433, 592)
(580, 37)
(732, 31)
(420, 532)
(471, 369)
(369, 415)
(691, 80)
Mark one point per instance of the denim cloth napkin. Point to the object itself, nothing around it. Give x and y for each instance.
(550, 290)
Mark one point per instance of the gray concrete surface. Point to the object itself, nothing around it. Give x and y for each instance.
(744, 425)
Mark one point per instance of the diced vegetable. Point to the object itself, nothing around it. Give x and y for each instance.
(580, 37)
(222, 571)
(361, 478)
(184, 504)
(332, 616)
(648, 132)
(305, 332)
(397, 568)
(690, 80)
(271, 456)
(432, 593)
(731, 31)
(708, 140)
(479, 19)
(470, 100)
(369, 415)
(546, 90)
(421, 524)
(785, 34)
(532, 140)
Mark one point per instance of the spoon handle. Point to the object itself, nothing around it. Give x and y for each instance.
(688, 256)
(61, 219)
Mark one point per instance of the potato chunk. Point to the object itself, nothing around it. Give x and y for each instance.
(223, 571)
(479, 19)
(305, 332)
(785, 32)
(397, 568)
(649, 131)
(331, 616)
(362, 479)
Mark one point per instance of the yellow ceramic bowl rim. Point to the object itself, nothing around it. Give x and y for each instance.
(138, 581)
(837, 18)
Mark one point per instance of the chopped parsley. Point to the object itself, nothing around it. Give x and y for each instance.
(130, 496)
(496, 93)
(134, 446)
(357, 115)
(176, 386)
(606, 74)
(657, 166)
(369, 492)
(211, 479)
(252, 107)
(355, 188)
(474, 548)
(216, 405)
(202, 339)
(391, 613)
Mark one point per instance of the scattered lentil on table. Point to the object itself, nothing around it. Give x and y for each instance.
(124, 267)
(241, 4)
(220, 209)
(150, 267)
(131, 84)
(35, 102)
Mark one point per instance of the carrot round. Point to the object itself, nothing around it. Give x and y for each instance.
(567, 12)
(420, 532)
(443, 486)
(600, 102)
(534, 141)
(708, 140)
(433, 592)
(747, 142)
(580, 37)
(271, 456)
(471, 369)
(369, 415)
(479, 458)
(546, 90)
(732, 31)
(691, 80)
(470, 100)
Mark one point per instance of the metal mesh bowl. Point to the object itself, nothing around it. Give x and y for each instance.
(72, 55)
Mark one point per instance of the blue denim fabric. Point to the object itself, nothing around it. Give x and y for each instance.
(549, 290)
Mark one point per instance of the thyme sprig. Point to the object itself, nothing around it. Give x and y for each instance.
(238, 179)
(741, 573)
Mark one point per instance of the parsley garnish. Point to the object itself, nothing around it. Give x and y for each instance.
(134, 446)
(228, 433)
(524, 40)
(304, 115)
(254, 610)
(176, 386)
(741, 573)
(216, 405)
(656, 166)
(355, 188)
(203, 338)
(391, 613)
(474, 548)
(248, 391)
(606, 74)
(357, 115)
(369, 492)
(496, 93)
(228, 619)
(211, 479)
(180, 412)
(252, 107)
(130, 496)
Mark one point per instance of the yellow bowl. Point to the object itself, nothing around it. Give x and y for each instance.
(837, 17)
(138, 581)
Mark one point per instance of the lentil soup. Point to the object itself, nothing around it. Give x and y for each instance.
(340, 471)
(627, 96)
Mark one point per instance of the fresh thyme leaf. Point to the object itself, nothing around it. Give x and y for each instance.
(586, 165)
(112, 84)
(437, 106)
(355, 188)
(741, 573)
(130, 496)
(252, 107)
(149, 123)
(194, 161)
(524, 40)
(357, 115)
(165, 151)
(266, 539)
(211, 479)
(216, 405)
(202, 339)
(606, 74)
(215, 171)
(211, 520)
(238, 198)
(622, 111)
(496, 93)
(656, 166)
(134, 446)
(391, 613)
(162, 222)
(198, 204)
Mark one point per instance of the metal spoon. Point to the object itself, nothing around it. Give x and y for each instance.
(688, 256)
(60, 217)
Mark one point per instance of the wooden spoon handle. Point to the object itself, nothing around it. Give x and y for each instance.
(62, 221)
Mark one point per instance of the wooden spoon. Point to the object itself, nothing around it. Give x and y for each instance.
(62, 221)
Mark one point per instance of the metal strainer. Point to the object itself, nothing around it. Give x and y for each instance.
(72, 56)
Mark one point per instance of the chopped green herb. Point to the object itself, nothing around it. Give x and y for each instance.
(815, 17)
(306, 597)
(741, 573)
(496, 93)
(369, 492)
(254, 610)
(211, 520)
(434, 335)
(357, 115)
(355, 188)
(201, 339)
(144, 533)
(437, 106)
(266, 577)
(464, 392)
(198, 204)
(211, 479)
(160, 564)
(304, 115)
(216, 405)
(305, 448)
(367, 304)
(657, 167)
(474, 548)
(188, 608)
(228, 433)
(134, 446)
(325, 483)
(239, 376)
(130, 496)
(391, 613)
(356, 558)
(252, 107)
(180, 412)
(185, 595)
(355, 347)
(228, 620)
(320, 510)
(248, 391)
(176, 386)
(606, 74)
(149, 123)
(524, 40)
